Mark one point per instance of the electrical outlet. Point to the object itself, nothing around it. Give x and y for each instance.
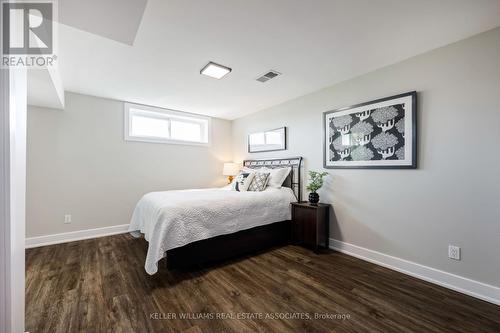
(67, 218)
(454, 252)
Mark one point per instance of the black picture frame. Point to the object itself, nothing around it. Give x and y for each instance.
(410, 99)
(267, 150)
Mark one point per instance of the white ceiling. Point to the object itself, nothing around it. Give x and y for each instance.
(115, 19)
(313, 43)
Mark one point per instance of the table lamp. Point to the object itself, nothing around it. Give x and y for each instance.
(230, 170)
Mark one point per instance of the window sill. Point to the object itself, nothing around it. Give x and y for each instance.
(167, 141)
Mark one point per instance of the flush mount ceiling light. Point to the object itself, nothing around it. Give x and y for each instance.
(215, 70)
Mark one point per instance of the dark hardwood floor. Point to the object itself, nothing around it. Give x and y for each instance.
(100, 285)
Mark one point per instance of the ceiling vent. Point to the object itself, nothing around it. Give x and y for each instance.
(268, 76)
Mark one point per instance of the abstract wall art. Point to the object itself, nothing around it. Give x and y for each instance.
(375, 134)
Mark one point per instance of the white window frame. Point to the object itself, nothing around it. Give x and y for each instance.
(155, 112)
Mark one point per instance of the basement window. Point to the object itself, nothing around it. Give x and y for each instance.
(156, 125)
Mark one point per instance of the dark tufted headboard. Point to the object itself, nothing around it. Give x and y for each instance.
(293, 180)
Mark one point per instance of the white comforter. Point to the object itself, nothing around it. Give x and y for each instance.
(172, 219)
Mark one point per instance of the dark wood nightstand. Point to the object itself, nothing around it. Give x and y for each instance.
(310, 224)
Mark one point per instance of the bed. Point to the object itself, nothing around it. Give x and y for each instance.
(193, 227)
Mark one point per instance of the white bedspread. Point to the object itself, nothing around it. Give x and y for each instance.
(172, 219)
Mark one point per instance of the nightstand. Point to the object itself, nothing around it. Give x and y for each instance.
(310, 224)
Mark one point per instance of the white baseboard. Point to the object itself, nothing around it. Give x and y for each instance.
(75, 236)
(458, 283)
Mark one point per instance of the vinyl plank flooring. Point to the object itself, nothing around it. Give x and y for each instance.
(100, 285)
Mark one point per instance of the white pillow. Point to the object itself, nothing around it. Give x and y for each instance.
(242, 181)
(277, 175)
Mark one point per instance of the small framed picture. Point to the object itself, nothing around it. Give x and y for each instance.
(267, 141)
(376, 134)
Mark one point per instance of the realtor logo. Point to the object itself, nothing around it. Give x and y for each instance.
(27, 28)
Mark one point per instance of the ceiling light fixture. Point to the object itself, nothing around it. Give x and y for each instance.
(215, 70)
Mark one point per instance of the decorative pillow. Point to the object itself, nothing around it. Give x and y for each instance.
(242, 181)
(277, 176)
(259, 182)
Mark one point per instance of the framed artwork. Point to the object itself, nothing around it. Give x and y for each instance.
(267, 141)
(378, 134)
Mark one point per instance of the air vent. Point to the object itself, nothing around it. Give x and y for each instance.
(268, 76)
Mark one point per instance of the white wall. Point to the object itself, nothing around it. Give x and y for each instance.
(4, 196)
(79, 164)
(13, 100)
(452, 198)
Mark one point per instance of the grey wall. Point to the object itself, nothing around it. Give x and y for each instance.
(79, 164)
(452, 198)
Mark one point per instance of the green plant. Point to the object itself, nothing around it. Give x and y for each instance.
(316, 180)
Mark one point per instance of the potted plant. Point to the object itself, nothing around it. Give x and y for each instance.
(316, 182)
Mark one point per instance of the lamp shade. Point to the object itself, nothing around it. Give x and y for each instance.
(230, 169)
